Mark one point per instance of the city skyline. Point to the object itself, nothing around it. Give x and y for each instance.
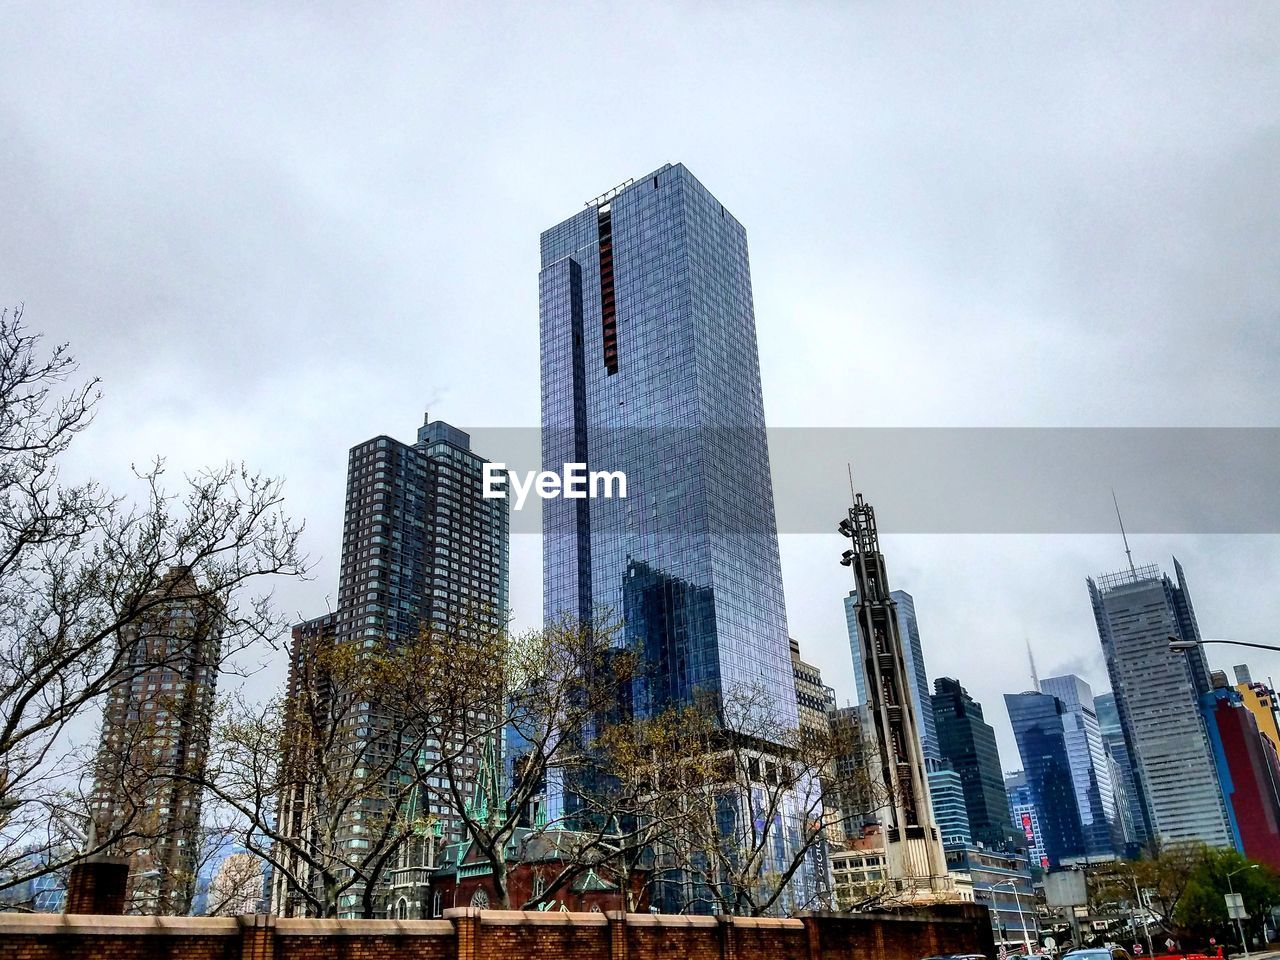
(289, 257)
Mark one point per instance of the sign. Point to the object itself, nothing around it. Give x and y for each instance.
(1137, 949)
(1065, 888)
(1235, 906)
(1050, 942)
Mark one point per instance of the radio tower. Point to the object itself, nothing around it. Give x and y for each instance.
(913, 849)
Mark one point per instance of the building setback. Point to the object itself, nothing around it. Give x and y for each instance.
(1157, 694)
(155, 743)
(968, 743)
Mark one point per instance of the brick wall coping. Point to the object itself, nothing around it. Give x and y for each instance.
(768, 923)
(670, 920)
(542, 918)
(44, 924)
(316, 927)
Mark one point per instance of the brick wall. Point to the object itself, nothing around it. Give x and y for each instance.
(470, 934)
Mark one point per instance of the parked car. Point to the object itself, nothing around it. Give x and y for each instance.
(1098, 953)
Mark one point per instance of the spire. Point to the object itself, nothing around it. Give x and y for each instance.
(1035, 677)
(1127, 552)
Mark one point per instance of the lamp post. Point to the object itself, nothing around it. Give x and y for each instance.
(1178, 645)
(1022, 922)
(1231, 890)
(1146, 930)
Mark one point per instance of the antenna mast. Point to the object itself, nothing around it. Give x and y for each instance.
(1127, 552)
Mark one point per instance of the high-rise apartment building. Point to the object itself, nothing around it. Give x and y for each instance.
(1261, 701)
(650, 367)
(968, 743)
(420, 545)
(855, 802)
(155, 742)
(1100, 825)
(1157, 694)
(913, 652)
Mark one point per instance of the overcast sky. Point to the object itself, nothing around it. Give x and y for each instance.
(275, 233)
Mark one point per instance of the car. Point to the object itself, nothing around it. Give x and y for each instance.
(1098, 953)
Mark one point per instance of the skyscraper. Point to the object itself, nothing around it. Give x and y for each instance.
(420, 544)
(968, 743)
(155, 742)
(1157, 697)
(1090, 767)
(917, 677)
(650, 367)
(1025, 817)
(1133, 816)
(1037, 720)
(946, 793)
(814, 699)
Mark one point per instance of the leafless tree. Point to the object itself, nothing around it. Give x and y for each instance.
(80, 567)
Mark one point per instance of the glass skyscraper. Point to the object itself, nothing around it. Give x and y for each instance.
(1037, 720)
(1128, 799)
(1100, 824)
(1157, 694)
(913, 653)
(650, 367)
(968, 744)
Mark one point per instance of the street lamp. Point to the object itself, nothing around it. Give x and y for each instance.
(1231, 890)
(1022, 922)
(1178, 645)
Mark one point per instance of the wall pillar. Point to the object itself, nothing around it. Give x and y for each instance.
(257, 936)
(617, 934)
(728, 937)
(466, 928)
(98, 885)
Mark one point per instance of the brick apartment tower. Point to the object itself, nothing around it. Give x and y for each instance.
(420, 544)
(155, 734)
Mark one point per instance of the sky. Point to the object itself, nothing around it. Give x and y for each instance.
(275, 231)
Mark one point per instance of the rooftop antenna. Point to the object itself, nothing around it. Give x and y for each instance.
(1127, 552)
(849, 466)
(1035, 677)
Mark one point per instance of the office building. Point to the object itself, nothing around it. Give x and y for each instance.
(913, 654)
(155, 743)
(946, 792)
(1002, 881)
(650, 367)
(1100, 824)
(1037, 720)
(854, 800)
(1157, 695)
(1248, 769)
(814, 699)
(421, 545)
(968, 743)
(1133, 818)
(1025, 818)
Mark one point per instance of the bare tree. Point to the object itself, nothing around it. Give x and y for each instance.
(754, 810)
(321, 779)
(80, 568)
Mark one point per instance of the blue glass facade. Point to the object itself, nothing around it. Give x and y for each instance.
(1037, 720)
(650, 367)
(913, 654)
